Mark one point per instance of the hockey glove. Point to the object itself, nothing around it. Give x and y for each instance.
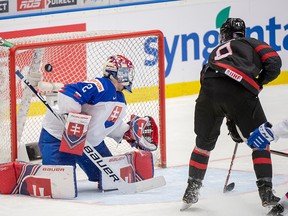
(233, 131)
(261, 137)
(143, 133)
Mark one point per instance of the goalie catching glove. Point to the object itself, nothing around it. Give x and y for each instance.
(143, 133)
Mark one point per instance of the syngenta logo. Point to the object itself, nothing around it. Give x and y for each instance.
(193, 41)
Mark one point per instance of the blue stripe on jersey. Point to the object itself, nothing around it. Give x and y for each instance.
(93, 91)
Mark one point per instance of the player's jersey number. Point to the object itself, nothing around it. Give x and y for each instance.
(87, 87)
(223, 51)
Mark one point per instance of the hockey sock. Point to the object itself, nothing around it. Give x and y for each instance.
(198, 164)
(262, 164)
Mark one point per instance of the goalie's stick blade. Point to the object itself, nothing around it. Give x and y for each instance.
(229, 187)
(150, 184)
(141, 186)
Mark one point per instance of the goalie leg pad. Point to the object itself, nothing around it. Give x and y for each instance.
(7, 178)
(122, 166)
(37, 180)
(132, 167)
(49, 181)
(143, 164)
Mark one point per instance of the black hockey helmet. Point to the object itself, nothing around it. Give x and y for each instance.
(232, 28)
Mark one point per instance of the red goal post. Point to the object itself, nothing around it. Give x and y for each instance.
(76, 57)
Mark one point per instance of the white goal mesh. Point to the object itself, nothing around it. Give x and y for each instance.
(76, 57)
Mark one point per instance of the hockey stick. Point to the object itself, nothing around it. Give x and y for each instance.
(230, 187)
(27, 94)
(5, 43)
(245, 140)
(98, 161)
(271, 150)
(279, 153)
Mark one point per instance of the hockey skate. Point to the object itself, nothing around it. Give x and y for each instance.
(191, 194)
(277, 210)
(266, 194)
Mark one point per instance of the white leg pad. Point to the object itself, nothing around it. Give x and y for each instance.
(50, 181)
(53, 181)
(122, 168)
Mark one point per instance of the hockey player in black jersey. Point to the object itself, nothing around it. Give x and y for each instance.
(235, 73)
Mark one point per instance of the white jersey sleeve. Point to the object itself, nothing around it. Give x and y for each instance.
(67, 105)
(119, 132)
(281, 129)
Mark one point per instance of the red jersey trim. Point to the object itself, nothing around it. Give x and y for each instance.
(245, 77)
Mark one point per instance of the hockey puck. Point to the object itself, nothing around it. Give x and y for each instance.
(48, 68)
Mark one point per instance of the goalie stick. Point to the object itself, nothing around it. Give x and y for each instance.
(97, 159)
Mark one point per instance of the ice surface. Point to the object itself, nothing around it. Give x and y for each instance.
(166, 201)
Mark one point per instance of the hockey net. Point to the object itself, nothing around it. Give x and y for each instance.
(76, 57)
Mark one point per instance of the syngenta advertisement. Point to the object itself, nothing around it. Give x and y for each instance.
(203, 44)
(187, 50)
(191, 30)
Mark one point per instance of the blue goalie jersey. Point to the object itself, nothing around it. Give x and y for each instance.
(98, 98)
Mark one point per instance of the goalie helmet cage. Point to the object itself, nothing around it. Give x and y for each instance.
(76, 57)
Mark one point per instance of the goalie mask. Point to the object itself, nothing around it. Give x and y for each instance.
(121, 69)
(232, 28)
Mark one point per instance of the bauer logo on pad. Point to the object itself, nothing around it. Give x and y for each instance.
(74, 136)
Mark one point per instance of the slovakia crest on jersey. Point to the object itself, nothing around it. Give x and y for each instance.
(113, 117)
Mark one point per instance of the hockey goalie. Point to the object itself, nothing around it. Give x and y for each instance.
(92, 110)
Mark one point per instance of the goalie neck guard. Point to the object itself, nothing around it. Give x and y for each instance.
(121, 69)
